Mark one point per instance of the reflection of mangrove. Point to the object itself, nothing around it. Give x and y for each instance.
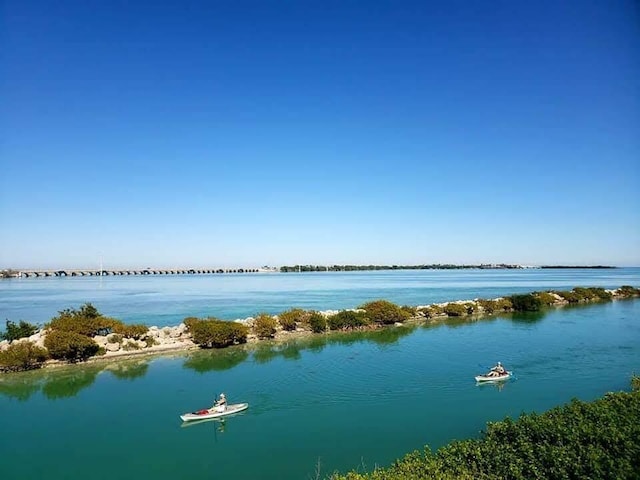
(264, 353)
(218, 360)
(66, 382)
(19, 387)
(526, 317)
(70, 383)
(128, 370)
(456, 322)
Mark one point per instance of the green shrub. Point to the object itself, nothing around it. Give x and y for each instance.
(85, 321)
(526, 303)
(635, 383)
(488, 306)
(597, 440)
(317, 322)
(22, 356)
(628, 291)
(601, 294)
(69, 345)
(432, 311)
(546, 298)
(571, 297)
(288, 320)
(503, 305)
(150, 342)
(384, 312)
(129, 345)
(264, 326)
(21, 330)
(455, 309)
(409, 310)
(216, 333)
(347, 320)
(114, 338)
(135, 332)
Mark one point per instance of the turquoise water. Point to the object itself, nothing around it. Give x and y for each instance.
(167, 300)
(343, 401)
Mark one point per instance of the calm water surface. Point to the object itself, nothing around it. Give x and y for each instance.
(342, 401)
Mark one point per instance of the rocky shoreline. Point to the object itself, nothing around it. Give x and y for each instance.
(164, 340)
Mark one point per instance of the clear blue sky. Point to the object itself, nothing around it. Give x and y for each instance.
(236, 133)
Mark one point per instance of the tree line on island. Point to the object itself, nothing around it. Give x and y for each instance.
(72, 336)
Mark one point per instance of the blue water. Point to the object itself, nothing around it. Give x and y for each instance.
(167, 300)
(342, 401)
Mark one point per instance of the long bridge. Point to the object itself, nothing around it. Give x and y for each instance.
(145, 271)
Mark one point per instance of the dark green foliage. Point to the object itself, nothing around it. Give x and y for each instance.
(503, 305)
(488, 306)
(409, 310)
(384, 312)
(628, 291)
(264, 326)
(635, 383)
(590, 440)
(432, 311)
(70, 346)
(289, 319)
(136, 332)
(317, 322)
(22, 356)
(216, 333)
(21, 330)
(347, 320)
(569, 296)
(85, 321)
(526, 303)
(455, 309)
(546, 298)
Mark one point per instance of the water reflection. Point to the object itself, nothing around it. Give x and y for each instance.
(129, 370)
(217, 360)
(68, 381)
(291, 350)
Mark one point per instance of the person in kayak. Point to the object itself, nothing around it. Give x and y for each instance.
(497, 371)
(221, 404)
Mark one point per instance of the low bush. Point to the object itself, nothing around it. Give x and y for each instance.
(288, 320)
(597, 440)
(128, 346)
(21, 330)
(546, 298)
(432, 311)
(317, 322)
(211, 332)
(22, 356)
(488, 306)
(526, 303)
(409, 310)
(114, 338)
(384, 312)
(569, 296)
(347, 320)
(85, 321)
(503, 305)
(628, 291)
(455, 309)
(69, 346)
(135, 332)
(264, 326)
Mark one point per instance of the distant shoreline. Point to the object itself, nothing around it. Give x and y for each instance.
(67, 272)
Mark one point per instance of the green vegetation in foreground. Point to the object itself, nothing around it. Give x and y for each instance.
(71, 336)
(590, 440)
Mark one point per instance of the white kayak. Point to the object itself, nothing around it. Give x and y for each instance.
(498, 378)
(213, 412)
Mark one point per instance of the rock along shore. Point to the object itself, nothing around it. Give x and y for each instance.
(164, 340)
